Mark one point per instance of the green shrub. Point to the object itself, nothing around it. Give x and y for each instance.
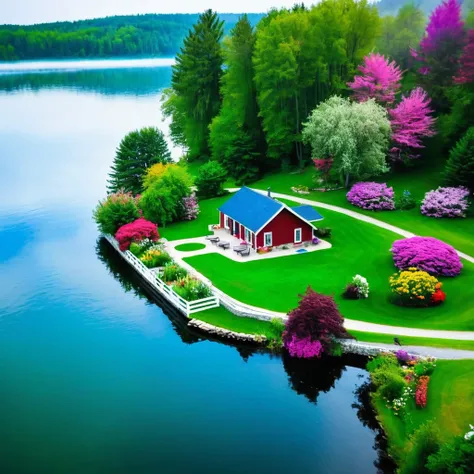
(424, 367)
(382, 360)
(405, 201)
(115, 211)
(210, 180)
(136, 249)
(336, 349)
(274, 340)
(456, 457)
(393, 386)
(459, 169)
(425, 442)
(323, 232)
(173, 272)
(191, 289)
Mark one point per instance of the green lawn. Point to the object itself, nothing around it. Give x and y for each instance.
(198, 227)
(413, 341)
(223, 318)
(450, 405)
(456, 232)
(358, 247)
(190, 247)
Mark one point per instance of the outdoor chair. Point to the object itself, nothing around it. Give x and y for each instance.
(214, 240)
(245, 252)
(223, 244)
(240, 248)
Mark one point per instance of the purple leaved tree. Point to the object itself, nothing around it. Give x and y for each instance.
(380, 80)
(442, 44)
(411, 121)
(465, 74)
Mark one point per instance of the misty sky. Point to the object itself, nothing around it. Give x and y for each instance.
(39, 11)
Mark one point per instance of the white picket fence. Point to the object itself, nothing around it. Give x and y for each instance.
(186, 307)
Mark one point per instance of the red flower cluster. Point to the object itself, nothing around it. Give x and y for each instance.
(136, 231)
(438, 296)
(421, 394)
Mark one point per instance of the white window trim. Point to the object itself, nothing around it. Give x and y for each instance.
(265, 239)
(226, 222)
(247, 231)
(301, 236)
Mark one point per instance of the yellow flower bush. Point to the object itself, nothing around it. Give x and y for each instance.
(154, 173)
(155, 258)
(414, 287)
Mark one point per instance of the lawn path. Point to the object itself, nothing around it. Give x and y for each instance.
(354, 214)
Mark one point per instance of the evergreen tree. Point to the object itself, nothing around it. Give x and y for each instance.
(236, 135)
(459, 169)
(138, 151)
(195, 82)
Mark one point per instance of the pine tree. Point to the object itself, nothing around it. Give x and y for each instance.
(459, 169)
(236, 135)
(137, 151)
(195, 82)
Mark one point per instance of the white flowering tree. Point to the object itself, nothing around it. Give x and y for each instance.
(355, 135)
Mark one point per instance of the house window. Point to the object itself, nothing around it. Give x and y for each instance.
(267, 239)
(298, 236)
(248, 236)
(226, 222)
(236, 228)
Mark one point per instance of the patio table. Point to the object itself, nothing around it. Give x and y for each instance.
(213, 239)
(240, 248)
(223, 244)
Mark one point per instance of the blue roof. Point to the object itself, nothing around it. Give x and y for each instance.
(308, 213)
(251, 209)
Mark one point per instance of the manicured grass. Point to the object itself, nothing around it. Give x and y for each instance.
(358, 248)
(223, 318)
(413, 341)
(190, 247)
(450, 405)
(198, 227)
(418, 180)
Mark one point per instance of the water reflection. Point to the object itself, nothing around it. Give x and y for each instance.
(129, 81)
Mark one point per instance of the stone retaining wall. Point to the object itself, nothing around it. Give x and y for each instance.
(225, 333)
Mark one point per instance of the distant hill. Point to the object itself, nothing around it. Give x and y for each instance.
(390, 7)
(133, 35)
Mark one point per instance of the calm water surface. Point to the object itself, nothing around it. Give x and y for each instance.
(94, 377)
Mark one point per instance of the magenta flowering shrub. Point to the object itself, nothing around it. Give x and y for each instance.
(136, 231)
(446, 202)
(427, 254)
(403, 357)
(304, 348)
(372, 196)
(191, 207)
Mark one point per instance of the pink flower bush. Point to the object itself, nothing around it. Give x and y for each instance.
(136, 231)
(427, 254)
(191, 207)
(372, 196)
(380, 80)
(304, 348)
(446, 202)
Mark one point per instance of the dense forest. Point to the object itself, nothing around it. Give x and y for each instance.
(136, 35)
(269, 96)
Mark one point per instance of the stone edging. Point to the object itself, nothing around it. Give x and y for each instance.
(226, 333)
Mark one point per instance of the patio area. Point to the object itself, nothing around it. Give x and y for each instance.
(227, 243)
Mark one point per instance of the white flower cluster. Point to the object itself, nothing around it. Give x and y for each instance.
(399, 404)
(362, 286)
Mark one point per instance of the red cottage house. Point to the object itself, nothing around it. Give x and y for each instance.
(265, 222)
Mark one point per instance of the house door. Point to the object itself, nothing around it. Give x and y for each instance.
(236, 228)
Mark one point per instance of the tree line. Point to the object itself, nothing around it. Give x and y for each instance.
(245, 100)
(139, 35)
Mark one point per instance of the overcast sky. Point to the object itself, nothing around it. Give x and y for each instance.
(40, 11)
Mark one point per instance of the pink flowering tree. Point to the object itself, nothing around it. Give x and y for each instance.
(411, 121)
(191, 207)
(323, 166)
(442, 44)
(465, 74)
(380, 80)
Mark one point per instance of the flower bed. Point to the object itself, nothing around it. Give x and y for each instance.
(428, 254)
(446, 202)
(372, 196)
(416, 288)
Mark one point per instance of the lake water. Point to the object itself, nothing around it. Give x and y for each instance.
(96, 378)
